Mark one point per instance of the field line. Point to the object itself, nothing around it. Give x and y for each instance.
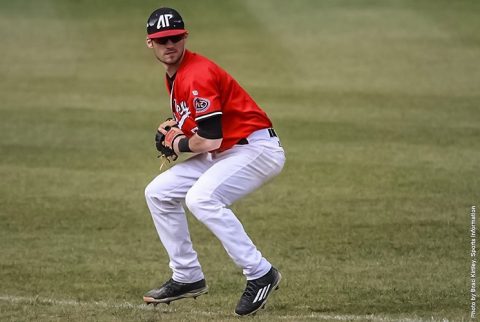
(43, 300)
(127, 305)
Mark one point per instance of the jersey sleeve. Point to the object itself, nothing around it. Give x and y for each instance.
(205, 94)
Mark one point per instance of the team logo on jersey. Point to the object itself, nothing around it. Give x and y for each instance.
(201, 104)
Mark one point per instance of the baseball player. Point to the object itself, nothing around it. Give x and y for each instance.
(235, 150)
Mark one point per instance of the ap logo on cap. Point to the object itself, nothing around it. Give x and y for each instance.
(165, 22)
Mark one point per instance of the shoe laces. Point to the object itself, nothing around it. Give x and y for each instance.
(250, 289)
(170, 286)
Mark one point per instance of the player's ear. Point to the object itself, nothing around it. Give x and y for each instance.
(185, 36)
(149, 42)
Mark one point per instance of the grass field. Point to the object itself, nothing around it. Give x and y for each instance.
(377, 104)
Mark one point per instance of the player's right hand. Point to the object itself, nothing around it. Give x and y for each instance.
(165, 126)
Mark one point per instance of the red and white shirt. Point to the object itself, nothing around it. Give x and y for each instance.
(202, 89)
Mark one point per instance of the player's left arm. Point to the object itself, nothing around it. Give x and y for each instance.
(208, 137)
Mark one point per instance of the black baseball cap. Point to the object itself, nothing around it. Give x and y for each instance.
(165, 22)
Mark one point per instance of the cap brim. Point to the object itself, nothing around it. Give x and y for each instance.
(167, 33)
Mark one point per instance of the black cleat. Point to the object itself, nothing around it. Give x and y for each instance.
(257, 292)
(172, 290)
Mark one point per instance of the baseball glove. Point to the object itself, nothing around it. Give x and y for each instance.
(165, 152)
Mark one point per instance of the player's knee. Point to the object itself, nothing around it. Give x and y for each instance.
(158, 188)
(150, 191)
(155, 193)
(192, 202)
(160, 201)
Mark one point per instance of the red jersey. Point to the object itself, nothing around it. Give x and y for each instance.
(202, 89)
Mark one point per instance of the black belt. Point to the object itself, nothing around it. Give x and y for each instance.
(244, 141)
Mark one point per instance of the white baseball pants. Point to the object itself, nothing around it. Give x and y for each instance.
(209, 183)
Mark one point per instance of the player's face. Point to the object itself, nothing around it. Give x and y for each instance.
(168, 50)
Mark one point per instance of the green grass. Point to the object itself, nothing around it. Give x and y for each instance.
(377, 105)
